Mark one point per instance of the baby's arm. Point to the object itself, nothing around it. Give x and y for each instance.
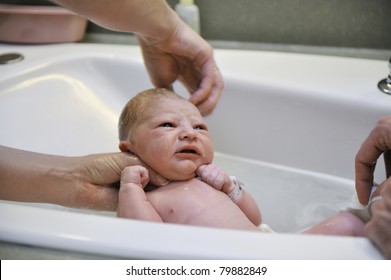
(217, 178)
(133, 202)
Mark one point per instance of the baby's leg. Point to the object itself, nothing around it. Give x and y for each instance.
(343, 223)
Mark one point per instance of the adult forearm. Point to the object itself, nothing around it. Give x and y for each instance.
(152, 18)
(87, 181)
(32, 177)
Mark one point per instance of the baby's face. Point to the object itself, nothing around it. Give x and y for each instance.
(174, 140)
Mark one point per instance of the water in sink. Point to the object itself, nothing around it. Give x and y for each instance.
(290, 199)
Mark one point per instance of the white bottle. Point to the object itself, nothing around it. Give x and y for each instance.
(189, 13)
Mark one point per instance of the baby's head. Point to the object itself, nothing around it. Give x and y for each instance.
(138, 108)
(167, 132)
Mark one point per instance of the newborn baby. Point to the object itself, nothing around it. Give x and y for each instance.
(168, 134)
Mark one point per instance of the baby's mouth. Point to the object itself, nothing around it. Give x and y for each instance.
(188, 151)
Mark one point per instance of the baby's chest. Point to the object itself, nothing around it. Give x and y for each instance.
(180, 203)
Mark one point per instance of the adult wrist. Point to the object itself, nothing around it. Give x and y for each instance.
(163, 23)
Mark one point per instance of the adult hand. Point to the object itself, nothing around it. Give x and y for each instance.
(99, 177)
(378, 142)
(186, 57)
(83, 182)
(171, 49)
(378, 229)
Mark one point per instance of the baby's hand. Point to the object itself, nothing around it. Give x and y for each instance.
(215, 176)
(134, 175)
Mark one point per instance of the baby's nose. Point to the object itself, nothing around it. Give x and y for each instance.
(188, 134)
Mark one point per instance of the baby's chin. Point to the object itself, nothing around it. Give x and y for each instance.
(179, 175)
(180, 172)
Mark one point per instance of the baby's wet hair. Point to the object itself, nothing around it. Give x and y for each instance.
(136, 110)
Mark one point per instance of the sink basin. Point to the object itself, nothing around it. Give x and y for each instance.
(288, 125)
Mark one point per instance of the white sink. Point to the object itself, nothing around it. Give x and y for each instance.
(289, 125)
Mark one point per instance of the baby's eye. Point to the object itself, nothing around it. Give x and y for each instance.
(201, 127)
(167, 124)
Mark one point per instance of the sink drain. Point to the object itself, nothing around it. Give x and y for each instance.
(8, 58)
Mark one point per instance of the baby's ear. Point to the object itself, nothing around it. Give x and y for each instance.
(126, 146)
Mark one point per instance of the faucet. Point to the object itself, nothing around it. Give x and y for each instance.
(385, 84)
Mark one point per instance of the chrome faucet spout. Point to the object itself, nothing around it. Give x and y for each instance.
(385, 84)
